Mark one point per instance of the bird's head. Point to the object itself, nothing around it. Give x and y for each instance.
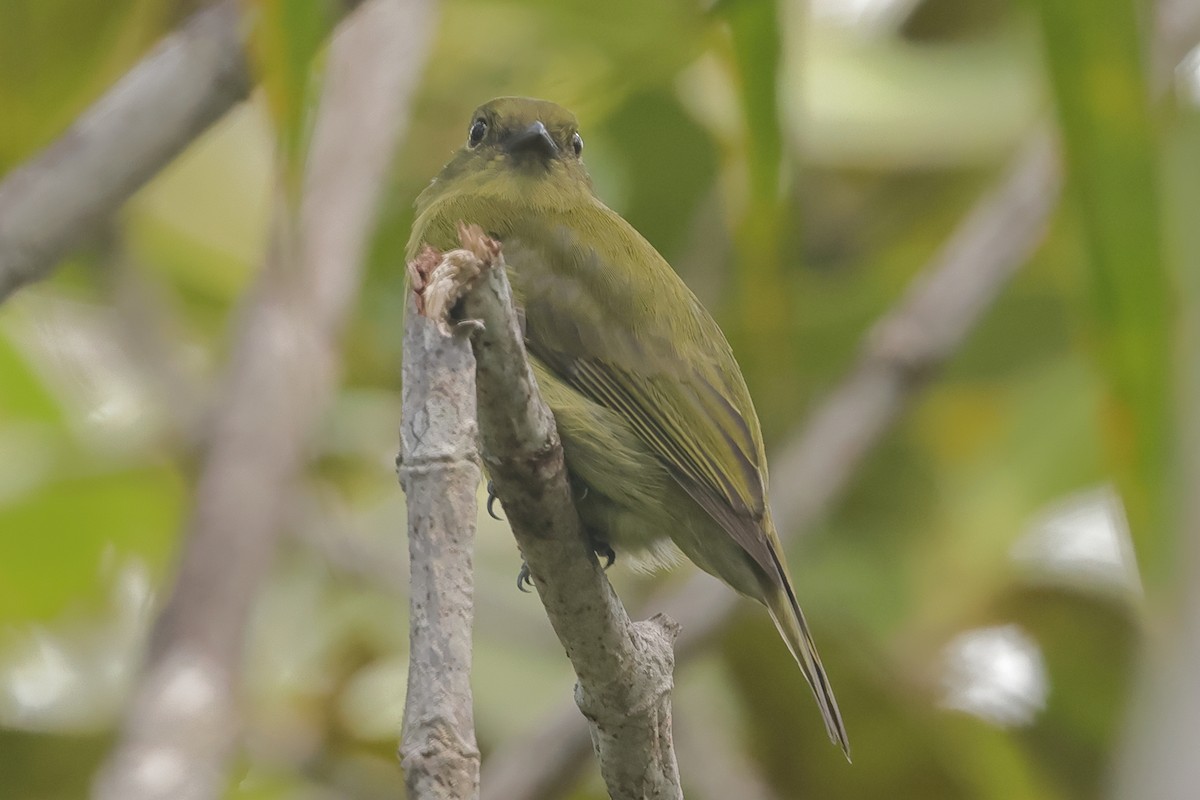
(518, 144)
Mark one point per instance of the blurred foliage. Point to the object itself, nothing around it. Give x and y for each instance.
(760, 325)
(284, 42)
(59, 55)
(1111, 141)
(975, 594)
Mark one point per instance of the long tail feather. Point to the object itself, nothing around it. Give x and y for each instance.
(789, 621)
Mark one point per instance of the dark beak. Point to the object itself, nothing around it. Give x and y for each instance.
(534, 139)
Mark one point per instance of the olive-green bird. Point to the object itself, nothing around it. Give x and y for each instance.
(654, 415)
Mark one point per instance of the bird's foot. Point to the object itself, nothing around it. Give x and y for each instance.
(491, 505)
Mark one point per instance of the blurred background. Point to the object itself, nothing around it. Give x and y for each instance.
(985, 586)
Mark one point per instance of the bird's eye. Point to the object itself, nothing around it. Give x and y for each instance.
(577, 144)
(478, 131)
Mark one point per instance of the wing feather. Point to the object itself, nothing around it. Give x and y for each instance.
(707, 447)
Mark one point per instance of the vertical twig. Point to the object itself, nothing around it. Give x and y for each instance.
(439, 469)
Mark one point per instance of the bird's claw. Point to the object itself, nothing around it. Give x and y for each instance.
(524, 579)
(491, 501)
(605, 550)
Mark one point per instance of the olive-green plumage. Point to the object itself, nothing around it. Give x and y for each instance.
(655, 419)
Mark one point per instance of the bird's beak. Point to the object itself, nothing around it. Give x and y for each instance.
(534, 139)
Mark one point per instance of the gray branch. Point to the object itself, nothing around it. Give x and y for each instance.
(439, 469)
(182, 722)
(64, 194)
(52, 203)
(624, 669)
(900, 355)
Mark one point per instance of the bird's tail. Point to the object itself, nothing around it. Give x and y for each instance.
(789, 620)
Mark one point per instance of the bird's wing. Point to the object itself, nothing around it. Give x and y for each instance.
(689, 425)
(680, 390)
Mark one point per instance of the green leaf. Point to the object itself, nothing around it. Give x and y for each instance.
(54, 538)
(24, 398)
(763, 332)
(284, 43)
(1096, 62)
(754, 32)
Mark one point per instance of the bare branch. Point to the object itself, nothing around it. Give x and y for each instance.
(624, 668)
(53, 202)
(59, 198)
(439, 469)
(901, 354)
(182, 721)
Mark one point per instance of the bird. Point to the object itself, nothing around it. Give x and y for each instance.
(658, 430)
